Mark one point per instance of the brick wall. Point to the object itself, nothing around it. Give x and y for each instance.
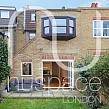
(83, 44)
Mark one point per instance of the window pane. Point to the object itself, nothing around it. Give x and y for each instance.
(32, 35)
(26, 69)
(97, 32)
(59, 29)
(97, 24)
(71, 23)
(46, 22)
(59, 22)
(46, 30)
(105, 24)
(105, 32)
(32, 17)
(4, 14)
(70, 30)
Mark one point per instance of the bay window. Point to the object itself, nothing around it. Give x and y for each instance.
(62, 26)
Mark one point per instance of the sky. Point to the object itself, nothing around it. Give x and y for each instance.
(53, 3)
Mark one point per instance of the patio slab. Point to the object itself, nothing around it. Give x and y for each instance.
(25, 95)
(42, 94)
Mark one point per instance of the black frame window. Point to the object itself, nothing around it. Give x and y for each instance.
(46, 26)
(60, 25)
(71, 26)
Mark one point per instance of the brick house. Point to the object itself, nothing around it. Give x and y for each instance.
(6, 12)
(77, 30)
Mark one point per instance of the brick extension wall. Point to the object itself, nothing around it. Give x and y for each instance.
(83, 44)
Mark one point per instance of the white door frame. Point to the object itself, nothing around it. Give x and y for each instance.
(71, 71)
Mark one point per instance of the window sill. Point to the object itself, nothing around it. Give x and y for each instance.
(27, 75)
(59, 36)
(32, 22)
(101, 37)
(4, 18)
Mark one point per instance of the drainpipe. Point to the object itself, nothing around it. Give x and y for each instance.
(24, 18)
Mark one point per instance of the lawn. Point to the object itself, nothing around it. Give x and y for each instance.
(41, 104)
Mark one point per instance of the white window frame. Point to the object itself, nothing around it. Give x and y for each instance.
(71, 70)
(31, 68)
(31, 34)
(7, 33)
(33, 17)
(4, 14)
(101, 22)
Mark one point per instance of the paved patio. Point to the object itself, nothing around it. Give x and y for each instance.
(43, 94)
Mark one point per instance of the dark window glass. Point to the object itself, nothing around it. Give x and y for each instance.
(26, 69)
(105, 24)
(105, 32)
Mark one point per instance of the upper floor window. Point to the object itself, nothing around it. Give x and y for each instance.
(61, 25)
(31, 35)
(33, 17)
(4, 14)
(101, 28)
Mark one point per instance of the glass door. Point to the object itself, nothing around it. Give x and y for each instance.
(71, 74)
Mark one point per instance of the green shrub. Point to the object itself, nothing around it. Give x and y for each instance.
(4, 68)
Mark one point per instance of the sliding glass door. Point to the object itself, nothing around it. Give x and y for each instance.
(71, 74)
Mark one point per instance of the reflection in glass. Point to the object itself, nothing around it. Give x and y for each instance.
(105, 32)
(97, 32)
(46, 30)
(32, 35)
(70, 30)
(46, 22)
(105, 24)
(71, 23)
(59, 29)
(26, 69)
(59, 22)
(97, 24)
